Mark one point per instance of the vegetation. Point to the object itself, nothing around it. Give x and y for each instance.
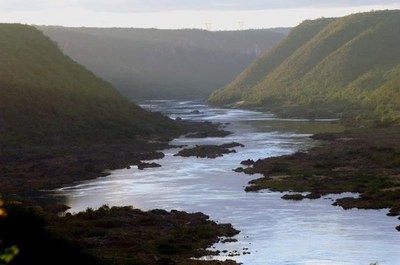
(46, 98)
(347, 67)
(7, 253)
(156, 64)
(59, 123)
(109, 235)
(209, 151)
(364, 161)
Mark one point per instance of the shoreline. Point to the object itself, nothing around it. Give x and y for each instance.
(26, 171)
(88, 161)
(364, 161)
(29, 170)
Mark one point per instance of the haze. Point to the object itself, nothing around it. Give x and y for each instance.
(178, 14)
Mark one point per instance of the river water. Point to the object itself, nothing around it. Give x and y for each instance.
(274, 231)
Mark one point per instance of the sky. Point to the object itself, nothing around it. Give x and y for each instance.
(179, 14)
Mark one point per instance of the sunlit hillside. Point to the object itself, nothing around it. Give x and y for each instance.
(346, 67)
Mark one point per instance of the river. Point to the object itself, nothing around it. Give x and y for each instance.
(274, 231)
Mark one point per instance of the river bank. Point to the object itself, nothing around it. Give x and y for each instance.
(272, 230)
(33, 225)
(364, 161)
(26, 170)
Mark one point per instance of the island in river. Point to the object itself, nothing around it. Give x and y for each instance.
(116, 235)
(360, 140)
(364, 161)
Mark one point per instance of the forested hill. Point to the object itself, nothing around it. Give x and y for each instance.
(156, 64)
(47, 98)
(348, 67)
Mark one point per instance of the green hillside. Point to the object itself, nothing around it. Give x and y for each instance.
(159, 64)
(347, 67)
(47, 98)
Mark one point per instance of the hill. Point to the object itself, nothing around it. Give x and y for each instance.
(345, 67)
(164, 64)
(47, 98)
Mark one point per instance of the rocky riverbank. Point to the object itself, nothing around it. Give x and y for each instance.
(26, 170)
(364, 161)
(118, 235)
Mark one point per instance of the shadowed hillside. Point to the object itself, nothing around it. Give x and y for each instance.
(155, 64)
(59, 123)
(46, 98)
(344, 67)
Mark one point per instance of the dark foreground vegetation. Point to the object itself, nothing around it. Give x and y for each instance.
(117, 235)
(364, 161)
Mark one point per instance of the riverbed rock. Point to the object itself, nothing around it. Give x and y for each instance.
(294, 197)
(313, 195)
(395, 211)
(204, 134)
(143, 165)
(209, 151)
(247, 162)
(238, 169)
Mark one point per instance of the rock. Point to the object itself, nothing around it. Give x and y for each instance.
(294, 197)
(143, 165)
(151, 155)
(238, 169)
(394, 211)
(208, 151)
(247, 162)
(313, 196)
(229, 240)
(204, 134)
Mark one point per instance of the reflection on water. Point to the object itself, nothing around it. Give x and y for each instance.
(273, 230)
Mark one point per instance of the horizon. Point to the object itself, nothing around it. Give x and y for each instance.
(175, 14)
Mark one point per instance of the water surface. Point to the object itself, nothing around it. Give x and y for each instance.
(273, 230)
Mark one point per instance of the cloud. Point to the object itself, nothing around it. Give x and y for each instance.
(22, 5)
(226, 5)
(176, 14)
(178, 5)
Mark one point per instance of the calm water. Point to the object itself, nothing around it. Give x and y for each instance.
(273, 230)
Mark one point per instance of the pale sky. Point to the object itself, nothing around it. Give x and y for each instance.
(178, 14)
